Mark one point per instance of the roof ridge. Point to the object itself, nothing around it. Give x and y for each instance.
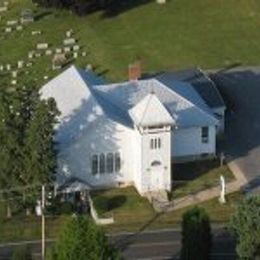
(213, 83)
(183, 98)
(146, 108)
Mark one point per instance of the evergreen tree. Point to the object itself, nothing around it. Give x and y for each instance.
(245, 225)
(81, 239)
(27, 149)
(39, 154)
(196, 235)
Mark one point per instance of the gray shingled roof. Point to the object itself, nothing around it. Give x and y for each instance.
(185, 113)
(76, 91)
(204, 86)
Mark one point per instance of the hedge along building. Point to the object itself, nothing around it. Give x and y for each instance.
(128, 133)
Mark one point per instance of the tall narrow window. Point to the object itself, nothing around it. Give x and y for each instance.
(94, 164)
(159, 143)
(117, 162)
(151, 144)
(110, 163)
(102, 163)
(205, 134)
(155, 143)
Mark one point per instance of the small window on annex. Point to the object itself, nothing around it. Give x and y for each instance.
(94, 164)
(110, 163)
(205, 134)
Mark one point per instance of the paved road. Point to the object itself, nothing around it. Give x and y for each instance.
(162, 244)
(241, 91)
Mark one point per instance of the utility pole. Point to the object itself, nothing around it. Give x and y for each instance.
(43, 222)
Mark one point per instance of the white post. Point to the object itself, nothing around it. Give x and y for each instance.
(43, 222)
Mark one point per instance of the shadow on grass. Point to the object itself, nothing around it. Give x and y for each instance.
(117, 7)
(123, 244)
(108, 204)
(42, 15)
(192, 170)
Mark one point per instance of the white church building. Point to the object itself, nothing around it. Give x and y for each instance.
(131, 133)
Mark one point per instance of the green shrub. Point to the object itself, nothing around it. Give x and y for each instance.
(196, 235)
(245, 225)
(22, 253)
(81, 239)
(66, 208)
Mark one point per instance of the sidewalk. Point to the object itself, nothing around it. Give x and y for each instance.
(205, 195)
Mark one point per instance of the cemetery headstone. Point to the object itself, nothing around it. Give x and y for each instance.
(20, 64)
(14, 82)
(69, 33)
(69, 41)
(36, 33)
(14, 74)
(8, 29)
(19, 28)
(42, 46)
(27, 16)
(76, 48)
(11, 22)
(59, 60)
(3, 9)
(67, 49)
(30, 54)
(48, 52)
(89, 67)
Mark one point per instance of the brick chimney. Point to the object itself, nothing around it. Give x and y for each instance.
(134, 71)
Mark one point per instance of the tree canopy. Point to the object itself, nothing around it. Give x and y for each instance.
(196, 235)
(81, 239)
(245, 225)
(27, 148)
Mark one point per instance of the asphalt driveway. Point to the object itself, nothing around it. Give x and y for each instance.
(240, 89)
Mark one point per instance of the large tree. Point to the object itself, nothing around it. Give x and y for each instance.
(245, 225)
(27, 152)
(81, 239)
(196, 235)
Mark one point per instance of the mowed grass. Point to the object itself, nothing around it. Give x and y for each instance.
(134, 213)
(130, 211)
(180, 34)
(193, 177)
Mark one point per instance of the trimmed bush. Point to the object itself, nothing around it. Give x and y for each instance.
(22, 253)
(196, 235)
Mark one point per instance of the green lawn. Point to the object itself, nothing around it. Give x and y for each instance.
(130, 211)
(180, 34)
(133, 213)
(193, 177)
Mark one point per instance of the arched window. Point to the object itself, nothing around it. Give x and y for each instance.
(102, 163)
(94, 164)
(117, 162)
(110, 163)
(156, 163)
